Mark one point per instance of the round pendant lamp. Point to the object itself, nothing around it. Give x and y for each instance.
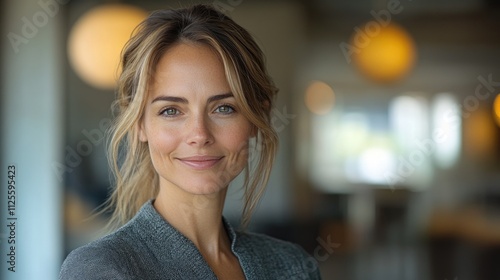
(97, 39)
(384, 54)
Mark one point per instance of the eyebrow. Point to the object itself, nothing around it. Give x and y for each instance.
(184, 100)
(219, 97)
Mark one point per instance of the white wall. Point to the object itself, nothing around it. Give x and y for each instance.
(32, 136)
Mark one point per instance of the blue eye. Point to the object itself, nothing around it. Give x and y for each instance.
(170, 112)
(224, 109)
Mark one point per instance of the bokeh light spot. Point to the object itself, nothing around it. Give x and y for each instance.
(496, 109)
(386, 54)
(319, 98)
(97, 39)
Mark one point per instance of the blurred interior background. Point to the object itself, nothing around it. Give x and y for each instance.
(388, 118)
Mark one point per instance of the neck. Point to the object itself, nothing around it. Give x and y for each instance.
(198, 217)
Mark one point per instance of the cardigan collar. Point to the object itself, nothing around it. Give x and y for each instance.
(171, 246)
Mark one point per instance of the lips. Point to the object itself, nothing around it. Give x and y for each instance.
(200, 162)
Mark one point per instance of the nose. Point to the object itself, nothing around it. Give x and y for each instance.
(198, 131)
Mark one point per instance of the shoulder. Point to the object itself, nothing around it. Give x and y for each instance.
(279, 256)
(91, 262)
(110, 257)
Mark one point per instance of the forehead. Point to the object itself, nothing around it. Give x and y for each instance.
(188, 53)
(189, 67)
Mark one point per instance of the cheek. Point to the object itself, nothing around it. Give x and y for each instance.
(161, 144)
(236, 138)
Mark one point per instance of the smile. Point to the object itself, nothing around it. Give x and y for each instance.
(200, 162)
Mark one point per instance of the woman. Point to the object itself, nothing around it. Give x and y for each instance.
(193, 92)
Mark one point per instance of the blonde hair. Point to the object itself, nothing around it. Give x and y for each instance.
(136, 180)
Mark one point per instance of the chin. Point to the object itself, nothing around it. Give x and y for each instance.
(203, 187)
(198, 185)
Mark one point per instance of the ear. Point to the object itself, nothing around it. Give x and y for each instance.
(141, 132)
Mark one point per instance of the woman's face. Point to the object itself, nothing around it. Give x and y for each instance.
(197, 137)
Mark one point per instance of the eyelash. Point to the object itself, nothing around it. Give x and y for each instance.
(162, 112)
(228, 106)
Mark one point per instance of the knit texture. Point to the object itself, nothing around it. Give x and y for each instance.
(148, 247)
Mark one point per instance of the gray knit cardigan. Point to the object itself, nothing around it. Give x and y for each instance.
(148, 247)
